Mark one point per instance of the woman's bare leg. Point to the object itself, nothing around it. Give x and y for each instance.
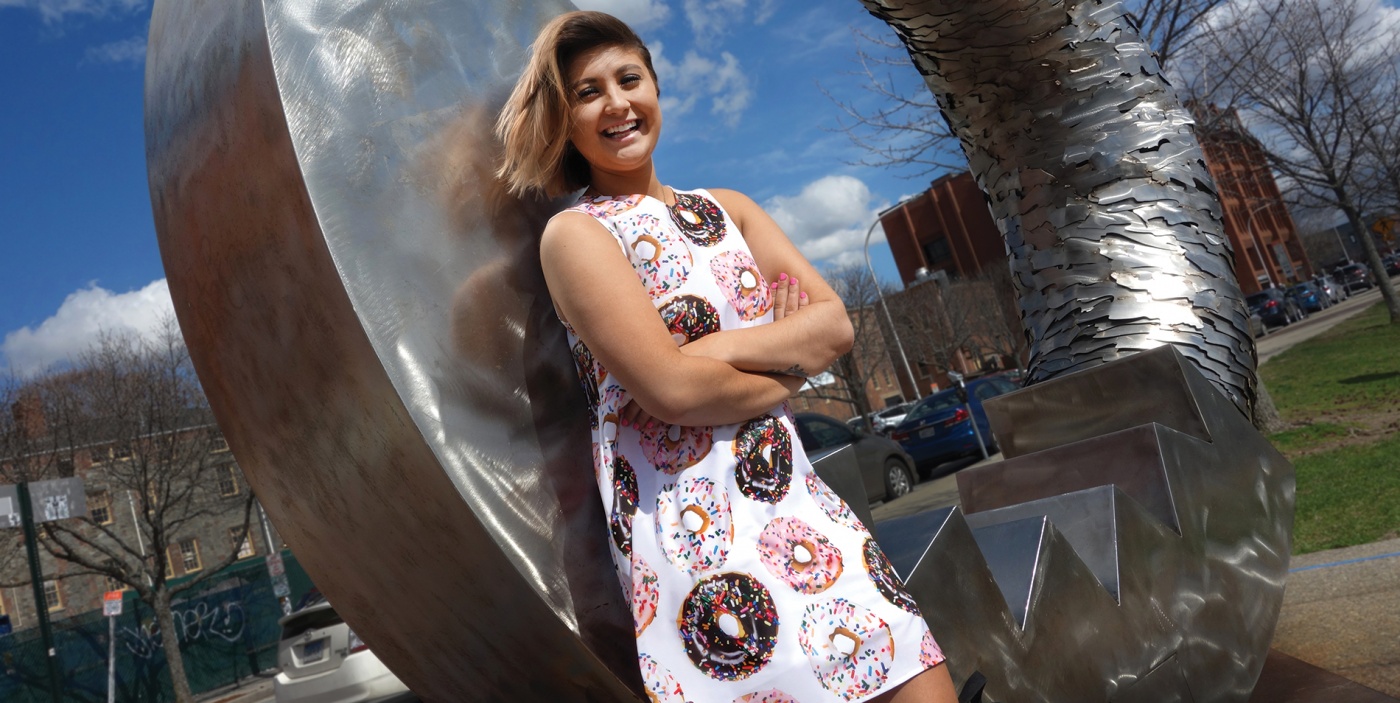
(932, 686)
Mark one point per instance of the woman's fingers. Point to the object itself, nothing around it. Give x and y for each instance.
(780, 297)
(793, 295)
(632, 415)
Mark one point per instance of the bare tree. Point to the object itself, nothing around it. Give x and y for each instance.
(1306, 89)
(939, 323)
(135, 405)
(997, 329)
(854, 369)
(905, 127)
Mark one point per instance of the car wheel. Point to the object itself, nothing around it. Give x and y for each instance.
(898, 482)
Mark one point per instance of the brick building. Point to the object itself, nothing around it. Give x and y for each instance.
(946, 228)
(202, 538)
(1268, 250)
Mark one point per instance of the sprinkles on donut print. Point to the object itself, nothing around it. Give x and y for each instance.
(660, 259)
(850, 648)
(607, 206)
(737, 275)
(832, 505)
(661, 686)
(886, 581)
(624, 504)
(729, 626)
(763, 459)
(688, 318)
(930, 654)
(646, 593)
(799, 555)
(672, 449)
(769, 696)
(699, 218)
(693, 525)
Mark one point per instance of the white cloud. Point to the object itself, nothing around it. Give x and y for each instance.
(828, 219)
(57, 10)
(639, 14)
(696, 79)
(131, 50)
(711, 18)
(82, 317)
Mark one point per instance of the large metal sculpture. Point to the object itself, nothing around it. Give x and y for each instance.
(367, 315)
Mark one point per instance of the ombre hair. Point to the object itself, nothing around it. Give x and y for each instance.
(535, 123)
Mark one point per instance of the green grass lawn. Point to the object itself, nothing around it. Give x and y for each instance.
(1341, 393)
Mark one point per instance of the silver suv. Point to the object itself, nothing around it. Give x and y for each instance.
(324, 661)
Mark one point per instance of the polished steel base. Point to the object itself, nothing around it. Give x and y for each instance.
(1137, 554)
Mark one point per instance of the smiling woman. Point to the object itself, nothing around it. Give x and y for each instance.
(714, 511)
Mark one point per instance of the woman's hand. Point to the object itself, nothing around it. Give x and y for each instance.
(787, 297)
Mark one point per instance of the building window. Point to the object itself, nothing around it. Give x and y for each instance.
(217, 443)
(99, 455)
(53, 598)
(244, 540)
(228, 480)
(100, 507)
(65, 468)
(189, 555)
(121, 453)
(115, 584)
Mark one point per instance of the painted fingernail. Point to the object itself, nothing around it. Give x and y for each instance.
(782, 277)
(803, 295)
(650, 425)
(626, 423)
(793, 281)
(775, 286)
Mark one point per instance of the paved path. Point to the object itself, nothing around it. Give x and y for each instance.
(1280, 339)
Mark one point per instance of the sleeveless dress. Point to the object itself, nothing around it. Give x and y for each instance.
(749, 579)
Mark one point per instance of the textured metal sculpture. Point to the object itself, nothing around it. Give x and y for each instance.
(1095, 177)
(366, 312)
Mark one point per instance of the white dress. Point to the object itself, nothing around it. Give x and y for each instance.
(749, 579)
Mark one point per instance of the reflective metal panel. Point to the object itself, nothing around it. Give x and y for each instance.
(1095, 177)
(365, 311)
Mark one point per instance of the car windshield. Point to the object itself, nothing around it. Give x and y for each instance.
(1256, 299)
(947, 400)
(1302, 288)
(891, 412)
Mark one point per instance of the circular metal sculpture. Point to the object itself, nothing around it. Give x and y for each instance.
(366, 311)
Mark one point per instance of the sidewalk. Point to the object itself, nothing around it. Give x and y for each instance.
(254, 689)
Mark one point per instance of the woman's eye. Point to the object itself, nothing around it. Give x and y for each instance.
(587, 93)
(630, 78)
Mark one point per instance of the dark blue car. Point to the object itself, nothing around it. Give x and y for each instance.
(939, 427)
(1309, 297)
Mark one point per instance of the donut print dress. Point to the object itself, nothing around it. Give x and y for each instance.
(749, 579)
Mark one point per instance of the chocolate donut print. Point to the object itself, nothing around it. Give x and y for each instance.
(699, 218)
(693, 525)
(624, 504)
(799, 555)
(737, 275)
(886, 581)
(661, 259)
(769, 696)
(831, 504)
(589, 375)
(729, 626)
(850, 648)
(661, 686)
(646, 593)
(688, 318)
(763, 459)
(672, 449)
(607, 206)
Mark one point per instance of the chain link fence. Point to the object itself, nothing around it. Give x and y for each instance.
(227, 630)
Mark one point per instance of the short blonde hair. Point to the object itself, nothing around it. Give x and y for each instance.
(535, 123)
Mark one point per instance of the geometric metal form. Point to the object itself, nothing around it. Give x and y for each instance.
(1094, 175)
(1144, 563)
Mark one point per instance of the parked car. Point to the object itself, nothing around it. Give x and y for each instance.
(1308, 297)
(1335, 292)
(1274, 307)
(889, 418)
(1392, 265)
(886, 470)
(1257, 328)
(939, 428)
(324, 661)
(1355, 277)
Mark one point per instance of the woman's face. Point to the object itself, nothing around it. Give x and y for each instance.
(616, 109)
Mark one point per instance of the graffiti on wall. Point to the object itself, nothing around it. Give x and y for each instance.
(196, 623)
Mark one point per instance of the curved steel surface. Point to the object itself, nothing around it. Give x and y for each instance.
(366, 312)
(1094, 176)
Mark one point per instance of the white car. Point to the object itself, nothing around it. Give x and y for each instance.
(889, 418)
(323, 661)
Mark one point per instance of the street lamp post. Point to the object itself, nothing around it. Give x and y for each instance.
(908, 372)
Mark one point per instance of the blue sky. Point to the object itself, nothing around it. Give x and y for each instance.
(744, 109)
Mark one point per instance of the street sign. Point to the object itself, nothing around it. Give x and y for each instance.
(9, 506)
(59, 499)
(275, 567)
(280, 587)
(112, 603)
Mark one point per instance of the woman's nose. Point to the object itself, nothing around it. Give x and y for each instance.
(615, 101)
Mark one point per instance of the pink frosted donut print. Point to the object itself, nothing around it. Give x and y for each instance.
(661, 686)
(660, 259)
(737, 275)
(674, 448)
(799, 555)
(770, 696)
(693, 525)
(930, 654)
(646, 593)
(851, 649)
(606, 206)
(831, 504)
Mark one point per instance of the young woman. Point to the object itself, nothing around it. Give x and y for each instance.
(749, 579)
